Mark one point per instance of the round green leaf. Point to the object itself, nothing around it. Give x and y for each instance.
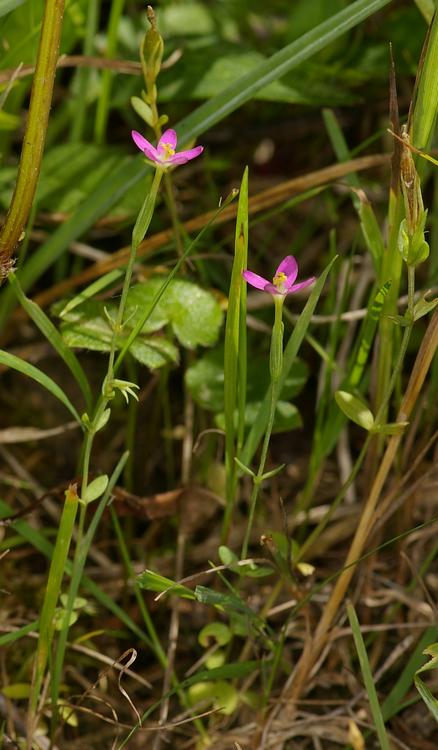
(355, 409)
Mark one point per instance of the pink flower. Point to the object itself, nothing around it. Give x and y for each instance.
(164, 155)
(283, 282)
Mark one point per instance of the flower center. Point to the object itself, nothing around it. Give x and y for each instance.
(279, 280)
(167, 150)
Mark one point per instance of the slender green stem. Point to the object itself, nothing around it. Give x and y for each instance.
(276, 365)
(152, 633)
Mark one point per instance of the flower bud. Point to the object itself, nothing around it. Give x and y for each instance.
(151, 49)
(411, 242)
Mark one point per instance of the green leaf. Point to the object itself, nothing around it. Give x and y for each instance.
(193, 313)
(154, 352)
(15, 363)
(18, 690)
(95, 489)
(155, 582)
(216, 631)
(391, 428)
(205, 380)
(355, 409)
(54, 338)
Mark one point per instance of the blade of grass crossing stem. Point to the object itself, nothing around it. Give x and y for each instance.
(368, 678)
(75, 581)
(233, 371)
(90, 291)
(280, 63)
(39, 542)
(290, 353)
(149, 310)
(15, 363)
(56, 573)
(54, 338)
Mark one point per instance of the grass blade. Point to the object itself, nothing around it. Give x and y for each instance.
(15, 363)
(242, 90)
(368, 678)
(235, 352)
(54, 338)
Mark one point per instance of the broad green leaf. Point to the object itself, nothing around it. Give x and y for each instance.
(15, 363)
(193, 313)
(355, 409)
(205, 380)
(95, 489)
(223, 695)
(154, 352)
(18, 690)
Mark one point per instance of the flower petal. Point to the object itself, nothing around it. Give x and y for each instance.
(169, 138)
(148, 149)
(301, 285)
(184, 156)
(274, 290)
(255, 280)
(289, 267)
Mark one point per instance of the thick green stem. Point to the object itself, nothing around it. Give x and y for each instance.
(35, 134)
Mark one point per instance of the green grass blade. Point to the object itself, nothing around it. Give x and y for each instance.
(426, 99)
(77, 576)
(290, 352)
(242, 90)
(394, 701)
(20, 633)
(54, 581)
(234, 387)
(368, 678)
(54, 338)
(39, 542)
(90, 291)
(15, 363)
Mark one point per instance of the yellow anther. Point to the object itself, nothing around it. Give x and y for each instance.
(279, 279)
(168, 150)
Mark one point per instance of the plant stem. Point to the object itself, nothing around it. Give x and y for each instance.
(35, 134)
(276, 365)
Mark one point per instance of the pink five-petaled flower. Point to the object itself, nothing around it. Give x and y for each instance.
(165, 155)
(283, 282)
